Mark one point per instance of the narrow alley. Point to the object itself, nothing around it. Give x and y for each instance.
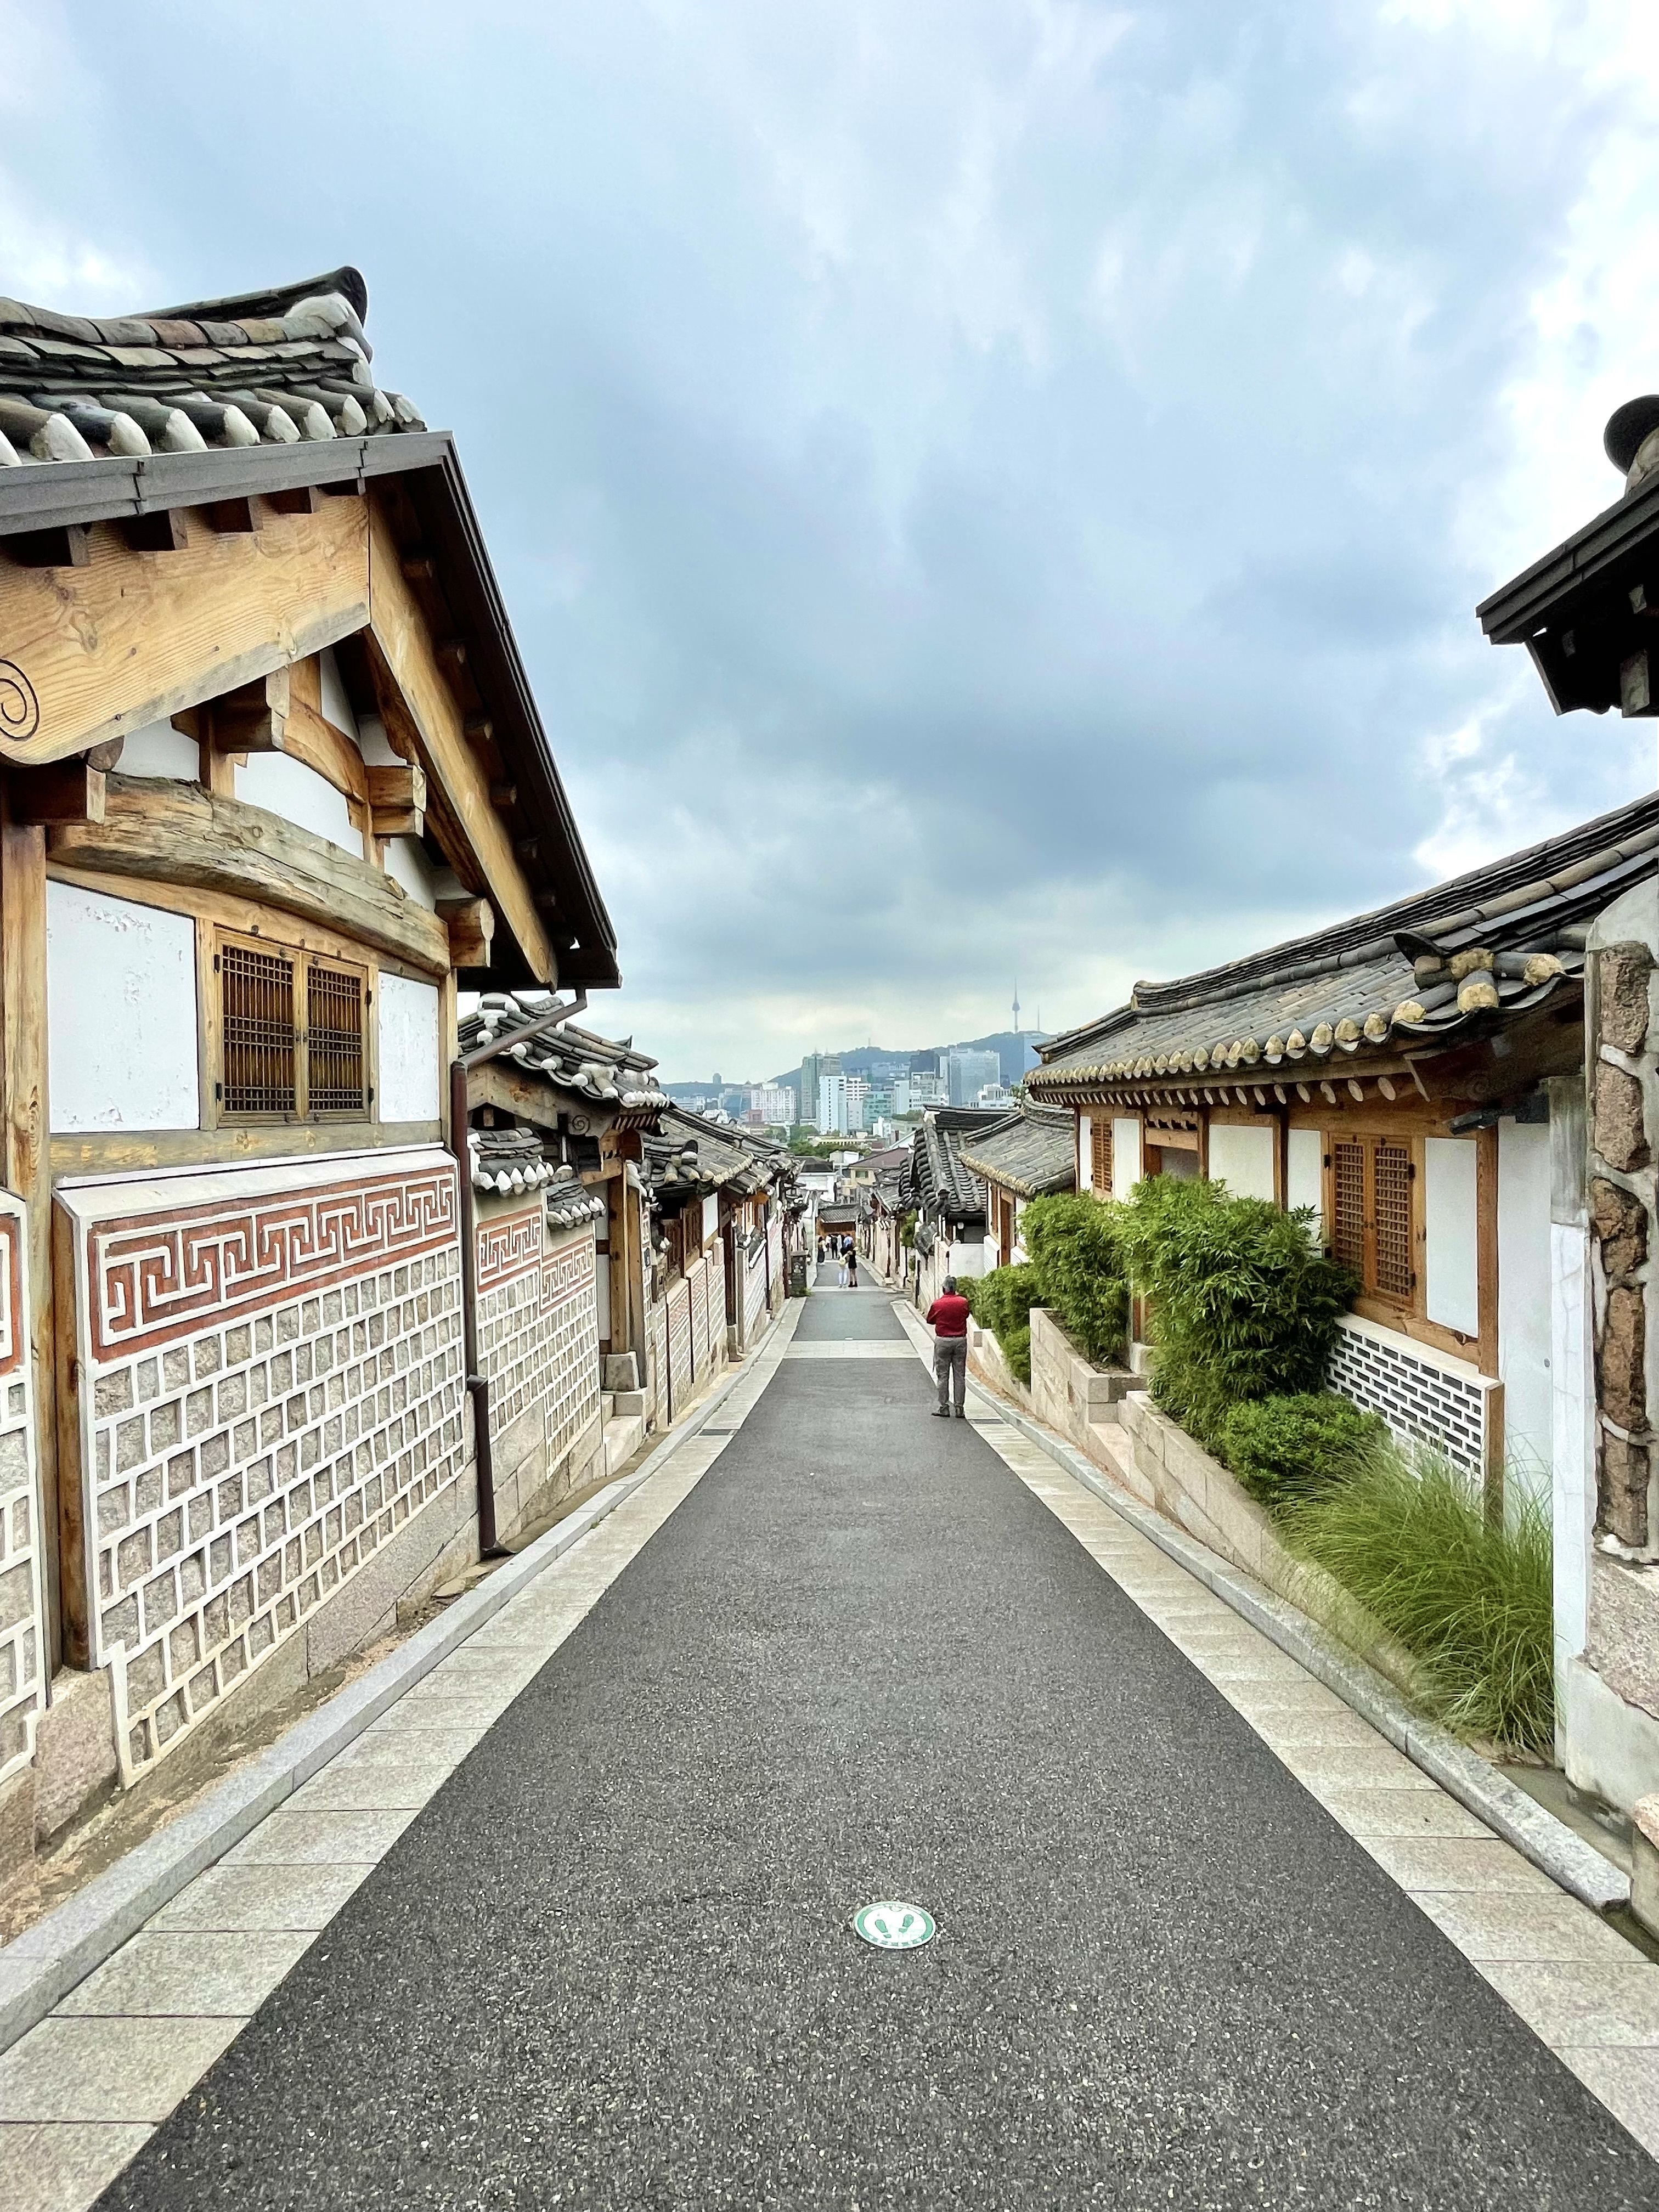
(833, 1653)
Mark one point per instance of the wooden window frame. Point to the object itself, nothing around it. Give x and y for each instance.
(1100, 1151)
(1408, 1316)
(216, 940)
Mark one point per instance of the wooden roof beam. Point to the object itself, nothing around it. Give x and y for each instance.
(414, 697)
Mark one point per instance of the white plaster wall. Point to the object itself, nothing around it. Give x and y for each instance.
(121, 1029)
(1451, 1259)
(373, 744)
(336, 703)
(1084, 1152)
(967, 1260)
(159, 749)
(406, 863)
(1524, 1301)
(299, 794)
(1304, 1155)
(1125, 1157)
(602, 1293)
(409, 1050)
(1572, 1455)
(711, 1217)
(1243, 1159)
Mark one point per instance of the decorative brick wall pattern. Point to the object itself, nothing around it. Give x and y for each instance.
(1424, 1400)
(239, 1465)
(774, 1253)
(680, 1343)
(570, 1342)
(697, 1281)
(753, 1289)
(22, 1627)
(715, 1309)
(660, 1362)
(538, 1336)
(509, 1257)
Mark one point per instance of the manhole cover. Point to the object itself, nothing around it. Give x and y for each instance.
(892, 1925)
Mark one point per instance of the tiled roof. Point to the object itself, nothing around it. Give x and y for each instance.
(266, 368)
(1436, 967)
(687, 1155)
(595, 1067)
(506, 1161)
(1033, 1151)
(939, 1182)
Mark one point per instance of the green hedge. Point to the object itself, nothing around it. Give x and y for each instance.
(1244, 1305)
(1077, 1259)
(1285, 1448)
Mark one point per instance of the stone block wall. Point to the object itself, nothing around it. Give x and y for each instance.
(22, 1625)
(538, 1348)
(269, 1390)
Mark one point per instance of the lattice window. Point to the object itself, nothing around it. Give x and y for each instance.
(1348, 1203)
(334, 1040)
(1100, 1156)
(1391, 1170)
(293, 1035)
(1373, 1224)
(261, 1045)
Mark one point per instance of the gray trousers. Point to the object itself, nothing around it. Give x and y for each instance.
(950, 1368)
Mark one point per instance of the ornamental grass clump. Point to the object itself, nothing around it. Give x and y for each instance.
(1470, 1599)
(1245, 1304)
(1082, 1277)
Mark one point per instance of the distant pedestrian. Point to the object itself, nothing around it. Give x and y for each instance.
(948, 1319)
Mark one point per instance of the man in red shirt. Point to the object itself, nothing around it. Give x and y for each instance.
(948, 1319)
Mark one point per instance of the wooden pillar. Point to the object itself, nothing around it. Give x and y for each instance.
(1485, 1218)
(25, 1162)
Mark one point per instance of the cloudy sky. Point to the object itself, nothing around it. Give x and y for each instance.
(981, 485)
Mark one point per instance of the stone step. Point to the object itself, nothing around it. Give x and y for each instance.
(622, 1437)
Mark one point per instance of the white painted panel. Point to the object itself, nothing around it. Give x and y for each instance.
(300, 795)
(1086, 1179)
(373, 745)
(409, 1050)
(336, 703)
(711, 1216)
(159, 749)
(602, 1293)
(1303, 1174)
(1243, 1159)
(1524, 1302)
(1125, 1157)
(1448, 1215)
(121, 1029)
(406, 864)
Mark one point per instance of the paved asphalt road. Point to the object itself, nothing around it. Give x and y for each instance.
(610, 1964)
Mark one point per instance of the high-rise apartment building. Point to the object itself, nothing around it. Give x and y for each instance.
(966, 1073)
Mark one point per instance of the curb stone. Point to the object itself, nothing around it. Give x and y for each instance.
(1552, 1847)
(40, 1966)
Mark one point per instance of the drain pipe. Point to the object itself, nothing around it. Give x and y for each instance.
(478, 1384)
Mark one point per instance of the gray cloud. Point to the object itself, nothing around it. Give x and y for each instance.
(979, 484)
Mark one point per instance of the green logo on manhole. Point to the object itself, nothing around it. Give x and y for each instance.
(892, 1925)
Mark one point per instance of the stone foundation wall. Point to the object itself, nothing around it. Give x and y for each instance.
(269, 1390)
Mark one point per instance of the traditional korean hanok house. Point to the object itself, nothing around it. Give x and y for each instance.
(1586, 615)
(882, 1210)
(272, 786)
(948, 1197)
(719, 1197)
(1032, 1154)
(557, 1123)
(1399, 1075)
